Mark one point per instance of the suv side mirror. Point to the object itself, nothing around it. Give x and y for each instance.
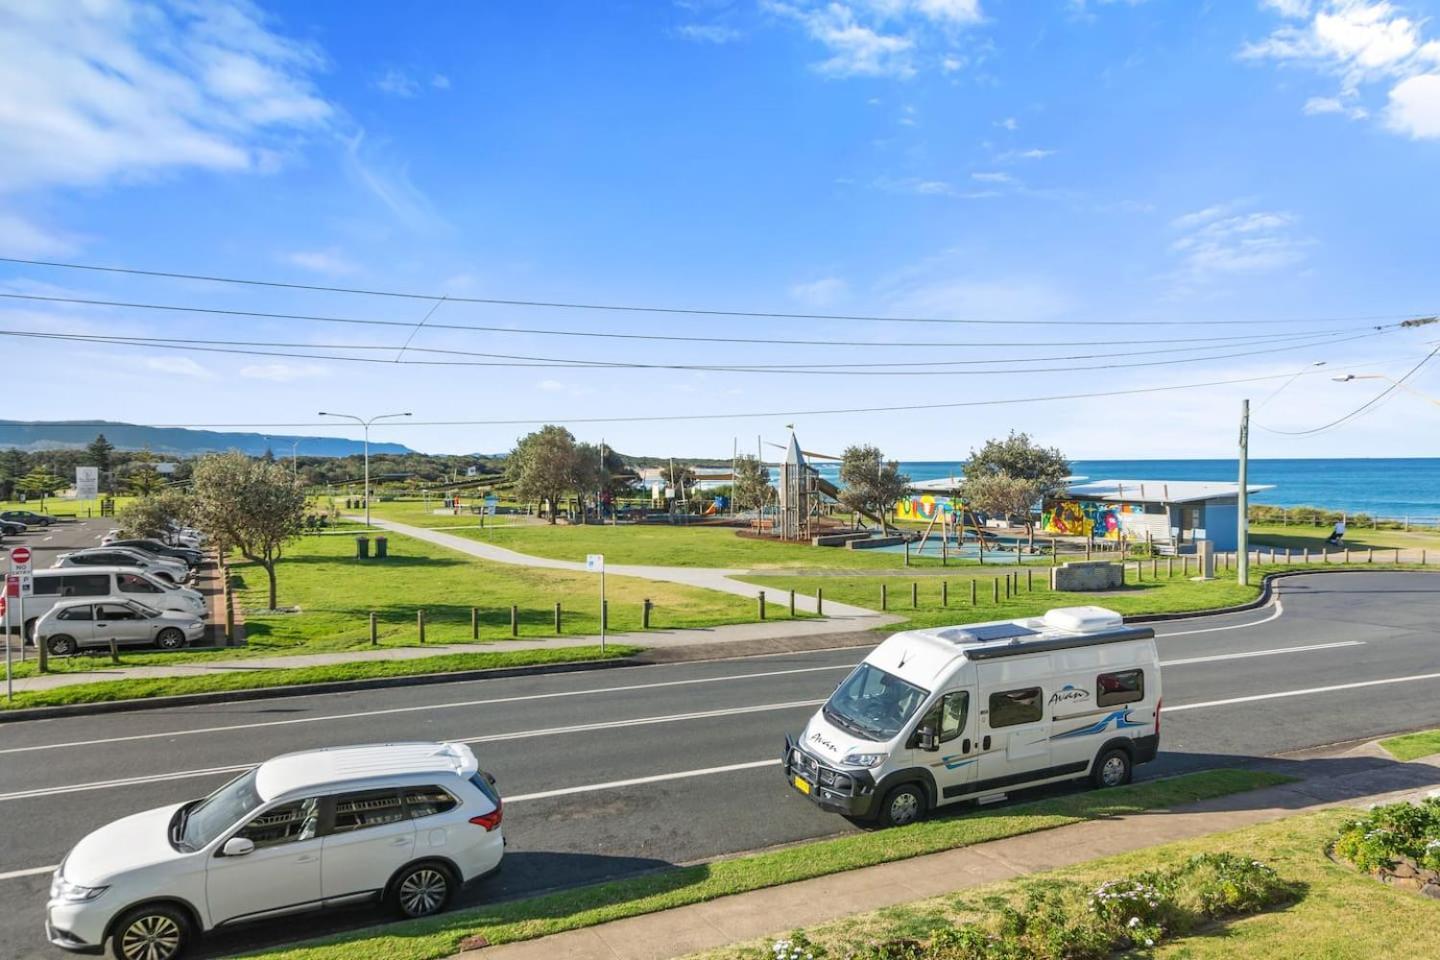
(237, 847)
(925, 738)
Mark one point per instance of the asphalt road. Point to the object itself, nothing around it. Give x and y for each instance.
(621, 770)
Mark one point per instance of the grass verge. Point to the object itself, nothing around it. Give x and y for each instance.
(661, 890)
(1342, 914)
(1413, 746)
(140, 689)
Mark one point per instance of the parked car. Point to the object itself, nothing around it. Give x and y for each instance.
(75, 625)
(28, 516)
(174, 570)
(406, 824)
(191, 558)
(97, 583)
(12, 528)
(940, 715)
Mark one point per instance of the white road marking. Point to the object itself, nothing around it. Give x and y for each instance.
(490, 738)
(637, 781)
(1261, 653)
(390, 711)
(1275, 614)
(1301, 693)
(31, 872)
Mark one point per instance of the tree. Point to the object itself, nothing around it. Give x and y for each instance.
(156, 515)
(12, 468)
(99, 454)
(545, 465)
(751, 486)
(678, 477)
(143, 478)
(40, 482)
(1009, 477)
(248, 505)
(871, 483)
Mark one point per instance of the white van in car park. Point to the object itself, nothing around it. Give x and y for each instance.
(76, 583)
(405, 823)
(936, 716)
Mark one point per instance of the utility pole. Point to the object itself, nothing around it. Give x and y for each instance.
(1242, 539)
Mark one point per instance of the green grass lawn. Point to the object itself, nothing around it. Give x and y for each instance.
(133, 689)
(1299, 537)
(1169, 593)
(598, 903)
(1413, 746)
(62, 507)
(1341, 914)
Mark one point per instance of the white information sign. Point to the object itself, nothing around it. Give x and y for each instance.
(87, 483)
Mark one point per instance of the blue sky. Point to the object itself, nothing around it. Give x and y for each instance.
(1162, 163)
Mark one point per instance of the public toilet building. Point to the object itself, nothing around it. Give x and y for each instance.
(1172, 514)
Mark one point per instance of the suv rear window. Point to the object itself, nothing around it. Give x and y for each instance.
(428, 801)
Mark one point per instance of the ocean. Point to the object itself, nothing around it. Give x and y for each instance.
(1398, 488)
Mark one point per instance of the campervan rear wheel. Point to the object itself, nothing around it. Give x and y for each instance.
(1112, 768)
(905, 804)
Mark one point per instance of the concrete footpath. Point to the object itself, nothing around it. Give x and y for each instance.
(775, 911)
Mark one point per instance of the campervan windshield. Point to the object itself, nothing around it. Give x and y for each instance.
(873, 704)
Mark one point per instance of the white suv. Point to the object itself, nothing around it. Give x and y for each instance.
(406, 823)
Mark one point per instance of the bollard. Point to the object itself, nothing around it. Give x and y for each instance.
(645, 614)
(819, 601)
(514, 620)
(1397, 556)
(420, 624)
(1169, 568)
(1305, 556)
(474, 623)
(907, 551)
(1287, 556)
(914, 594)
(884, 597)
(944, 593)
(972, 593)
(1185, 566)
(762, 604)
(557, 616)
(1371, 557)
(1154, 568)
(1422, 557)
(374, 630)
(114, 650)
(792, 604)
(1347, 554)
(995, 589)
(1030, 579)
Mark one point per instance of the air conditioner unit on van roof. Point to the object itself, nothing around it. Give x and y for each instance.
(1083, 619)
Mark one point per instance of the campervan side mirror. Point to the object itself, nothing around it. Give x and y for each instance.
(925, 737)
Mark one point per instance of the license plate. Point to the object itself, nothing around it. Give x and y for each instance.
(802, 785)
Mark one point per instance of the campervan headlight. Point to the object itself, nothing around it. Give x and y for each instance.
(865, 759)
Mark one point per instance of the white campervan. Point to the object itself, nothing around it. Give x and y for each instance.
(935, 716)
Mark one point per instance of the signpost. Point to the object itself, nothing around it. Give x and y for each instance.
(595, 563)
(9, 684)
(87, 483)
(19, 584)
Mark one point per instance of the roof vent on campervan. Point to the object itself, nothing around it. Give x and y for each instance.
(1083, 619)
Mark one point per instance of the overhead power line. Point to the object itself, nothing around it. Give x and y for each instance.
(638, 308)
(288, 351)
(656, 337)
(1364, 406)
(751, 415)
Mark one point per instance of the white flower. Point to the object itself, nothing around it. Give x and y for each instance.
(1149, 942)
(1134, 922)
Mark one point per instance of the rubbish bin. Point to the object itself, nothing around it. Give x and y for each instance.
(362, 547)
(381, 545)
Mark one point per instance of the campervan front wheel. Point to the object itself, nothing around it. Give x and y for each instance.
(1112, 768)
(905, 804)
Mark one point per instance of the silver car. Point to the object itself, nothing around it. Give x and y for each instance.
(74, 625)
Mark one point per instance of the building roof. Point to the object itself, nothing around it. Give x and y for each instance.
(1159, 491)
(332, 765)
(951, 483)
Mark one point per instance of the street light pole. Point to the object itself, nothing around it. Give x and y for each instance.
(366, 424)
(1242, 539)
(1346, 378)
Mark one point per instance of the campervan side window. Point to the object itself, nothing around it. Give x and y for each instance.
(1112, 689)
(1012, 707)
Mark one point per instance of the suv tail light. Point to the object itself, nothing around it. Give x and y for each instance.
(489, 820)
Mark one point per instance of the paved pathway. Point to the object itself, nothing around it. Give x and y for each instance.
(777, 910)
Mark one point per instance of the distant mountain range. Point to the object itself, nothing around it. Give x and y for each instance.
(52, 434)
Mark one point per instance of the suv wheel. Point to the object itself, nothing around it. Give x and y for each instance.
(158, 932)
(60, 645)
(422, 889)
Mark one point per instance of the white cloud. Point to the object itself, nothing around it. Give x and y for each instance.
(1360, 43)
(1414, 108)
(331, 262)
(550, 386)
(992, 177)
(820, 293)
(284, 372)
(882, 38)
(855, 49)
(952, 63)
(440, 82)
(372, 166)
(106, 90)
(178, 366)
(397, 83)
(1009, 123)
(1034, 153)
(20, 237)
(1227, 239)
(709, 33)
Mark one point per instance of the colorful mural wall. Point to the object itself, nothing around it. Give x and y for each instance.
(924, 508)
(1087, 518)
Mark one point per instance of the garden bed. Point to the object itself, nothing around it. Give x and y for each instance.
(1398, 844)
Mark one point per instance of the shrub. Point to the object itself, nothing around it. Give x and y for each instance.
(1387, 833)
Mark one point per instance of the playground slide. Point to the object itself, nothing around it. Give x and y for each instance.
(832, 491)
